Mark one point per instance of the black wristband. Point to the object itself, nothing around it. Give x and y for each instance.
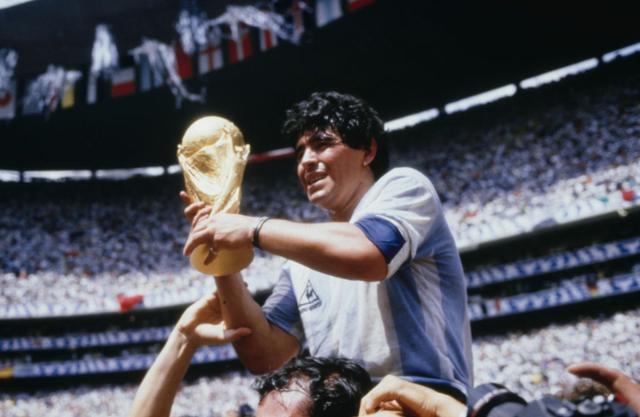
(256, 231)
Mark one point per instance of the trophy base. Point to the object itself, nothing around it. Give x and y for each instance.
(226, 262)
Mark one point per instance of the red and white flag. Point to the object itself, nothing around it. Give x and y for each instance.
(8, 102)
(298, 9)
(357, 4)
(268, 39)
(123, 82)
(210, 58)
(240, 49)
(184, 65)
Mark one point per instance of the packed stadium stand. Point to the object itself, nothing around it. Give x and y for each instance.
(562, 155)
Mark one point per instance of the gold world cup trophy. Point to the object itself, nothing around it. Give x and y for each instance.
(213, 157)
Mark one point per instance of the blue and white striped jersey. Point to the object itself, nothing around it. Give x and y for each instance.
(414, 323)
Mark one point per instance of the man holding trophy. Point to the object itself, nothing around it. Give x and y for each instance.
(380, 283)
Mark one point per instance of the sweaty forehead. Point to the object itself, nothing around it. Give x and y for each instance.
(310, 136)
(287, 403)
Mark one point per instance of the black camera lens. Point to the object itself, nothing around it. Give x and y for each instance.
(557, 407)
(494, 400)
(588, 408)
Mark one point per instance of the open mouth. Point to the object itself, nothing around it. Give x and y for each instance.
(315, 178)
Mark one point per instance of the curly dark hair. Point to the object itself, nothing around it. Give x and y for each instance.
(349, 116)
(335, 385)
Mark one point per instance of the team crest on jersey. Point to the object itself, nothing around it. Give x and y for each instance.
(309, 299)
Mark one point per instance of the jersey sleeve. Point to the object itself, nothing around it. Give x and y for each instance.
(399, 216)
(281, 308)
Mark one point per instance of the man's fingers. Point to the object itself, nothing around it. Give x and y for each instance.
(186, 200)
(598, 373)
(202, 213)
(616, 381)
(387, 413)
(216, 334)
(196, 238)
(192, 209)
(385, 391)
(371, 402)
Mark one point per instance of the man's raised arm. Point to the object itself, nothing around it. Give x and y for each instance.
(268, 347)
(199, 325)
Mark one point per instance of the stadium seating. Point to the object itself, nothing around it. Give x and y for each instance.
(531, 364)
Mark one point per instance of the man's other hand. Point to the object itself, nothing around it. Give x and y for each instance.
(201, 324)
(616, 381)
(221, 231)
(194, 211)
(402, 397)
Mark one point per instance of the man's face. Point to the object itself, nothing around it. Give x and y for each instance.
(288, 403)
(331, 173)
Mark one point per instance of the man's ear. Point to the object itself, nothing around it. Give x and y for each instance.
(370, 154)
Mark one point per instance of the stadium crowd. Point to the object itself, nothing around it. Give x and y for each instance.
(564, 161)
(64, 243)
(534, 363)
(531, 364)
(205, 397)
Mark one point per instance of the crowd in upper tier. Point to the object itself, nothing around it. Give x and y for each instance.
(575, 156)
(531, 364)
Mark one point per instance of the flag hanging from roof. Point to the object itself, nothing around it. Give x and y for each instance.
(148, 77)
(327, 11)
(268, 39)
(44, 93)
(68, 96)
(92, 88)
(8, 101)
(240, 49)
(98, 87)
(68, 93)
(300, 16)
(184, 66)
(210, 57)
(298, 8)
(31, 103)
(123, 82)
(357, 4)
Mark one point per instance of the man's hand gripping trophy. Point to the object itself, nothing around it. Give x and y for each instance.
(213, 157)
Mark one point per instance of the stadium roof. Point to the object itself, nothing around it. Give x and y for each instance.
(403, 57)
(62, 31)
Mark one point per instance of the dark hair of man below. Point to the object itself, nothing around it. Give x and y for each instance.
(334, 385)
